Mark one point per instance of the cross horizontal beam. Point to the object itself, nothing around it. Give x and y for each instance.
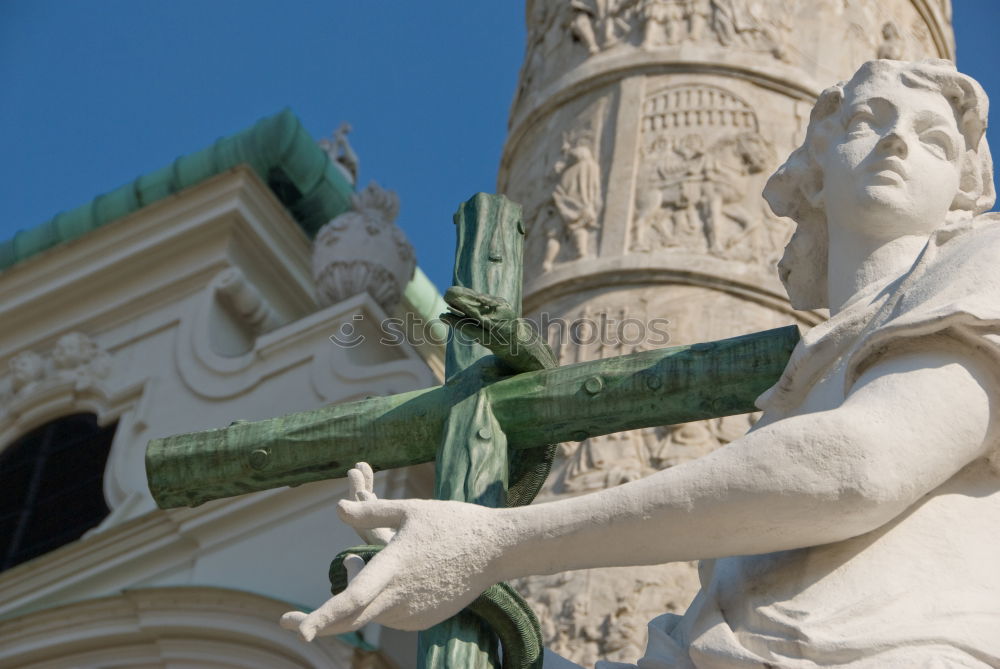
(659, 387)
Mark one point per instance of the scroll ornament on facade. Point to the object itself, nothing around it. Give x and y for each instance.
(364, 250)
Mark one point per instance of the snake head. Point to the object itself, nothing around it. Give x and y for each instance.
(486, 311)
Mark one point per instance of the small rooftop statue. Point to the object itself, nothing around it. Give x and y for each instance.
(855, 524)
(341, 153)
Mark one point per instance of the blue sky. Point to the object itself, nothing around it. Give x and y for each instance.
(97, 93)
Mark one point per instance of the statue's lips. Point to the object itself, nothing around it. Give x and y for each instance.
(888, 171)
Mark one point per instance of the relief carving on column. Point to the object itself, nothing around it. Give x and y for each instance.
(577, 199)
(565, 33)
(887, 29)
(700, 147)
(595, 26)
(563, 193)
(834, 36)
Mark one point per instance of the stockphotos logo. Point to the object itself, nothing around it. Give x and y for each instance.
(602, 330)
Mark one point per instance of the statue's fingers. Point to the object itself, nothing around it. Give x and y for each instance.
(373, 514)
(368, 473)
(292, 620)
(357, 483)
(336, 616)
(351, 609)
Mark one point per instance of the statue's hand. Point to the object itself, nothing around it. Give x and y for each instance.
(442, 556)
(362, 481)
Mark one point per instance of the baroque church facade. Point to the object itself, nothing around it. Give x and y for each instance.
(205, 291)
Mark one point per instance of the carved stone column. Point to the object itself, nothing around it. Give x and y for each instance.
(641, 135)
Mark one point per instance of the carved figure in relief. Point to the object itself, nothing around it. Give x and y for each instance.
(582, 24)
(674, 22)
(700, 148)
(77, 356)
(25, 368)
(577, 197)
(662, 20)
(853, 525)
(73, 350)
(754, 24)
(892, 46)
(676, 184)
(730, 160)
(699, 16)
(596, 24)
(562, 34)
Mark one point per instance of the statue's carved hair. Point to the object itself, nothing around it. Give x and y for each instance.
(794, 188)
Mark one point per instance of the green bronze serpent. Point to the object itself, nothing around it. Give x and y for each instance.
(492, 322)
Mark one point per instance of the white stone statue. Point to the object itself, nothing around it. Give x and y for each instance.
(855, 525)
(341, 153)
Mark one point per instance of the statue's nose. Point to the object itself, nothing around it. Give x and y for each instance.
(894, 144)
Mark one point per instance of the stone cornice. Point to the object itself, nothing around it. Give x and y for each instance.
(747, 281)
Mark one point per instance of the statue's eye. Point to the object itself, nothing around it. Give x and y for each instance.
(939, 143)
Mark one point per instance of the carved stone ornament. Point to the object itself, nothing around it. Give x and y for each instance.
(699, 147)
(887, 29)
(577, 198)
(364, 250)
(75, 358)
(565, 32)
(569, 217)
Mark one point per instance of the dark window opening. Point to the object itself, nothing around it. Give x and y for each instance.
(52, 487)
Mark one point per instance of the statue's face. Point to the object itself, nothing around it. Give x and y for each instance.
(896, 167)
(70, 350)
(24, 367)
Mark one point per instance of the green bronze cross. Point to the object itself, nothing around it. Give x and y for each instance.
(486, 426)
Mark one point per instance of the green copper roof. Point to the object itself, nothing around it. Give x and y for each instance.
(277, 148)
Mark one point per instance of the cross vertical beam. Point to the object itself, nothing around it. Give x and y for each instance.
(471, 464)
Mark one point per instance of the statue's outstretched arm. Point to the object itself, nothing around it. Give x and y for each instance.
(909, 424)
